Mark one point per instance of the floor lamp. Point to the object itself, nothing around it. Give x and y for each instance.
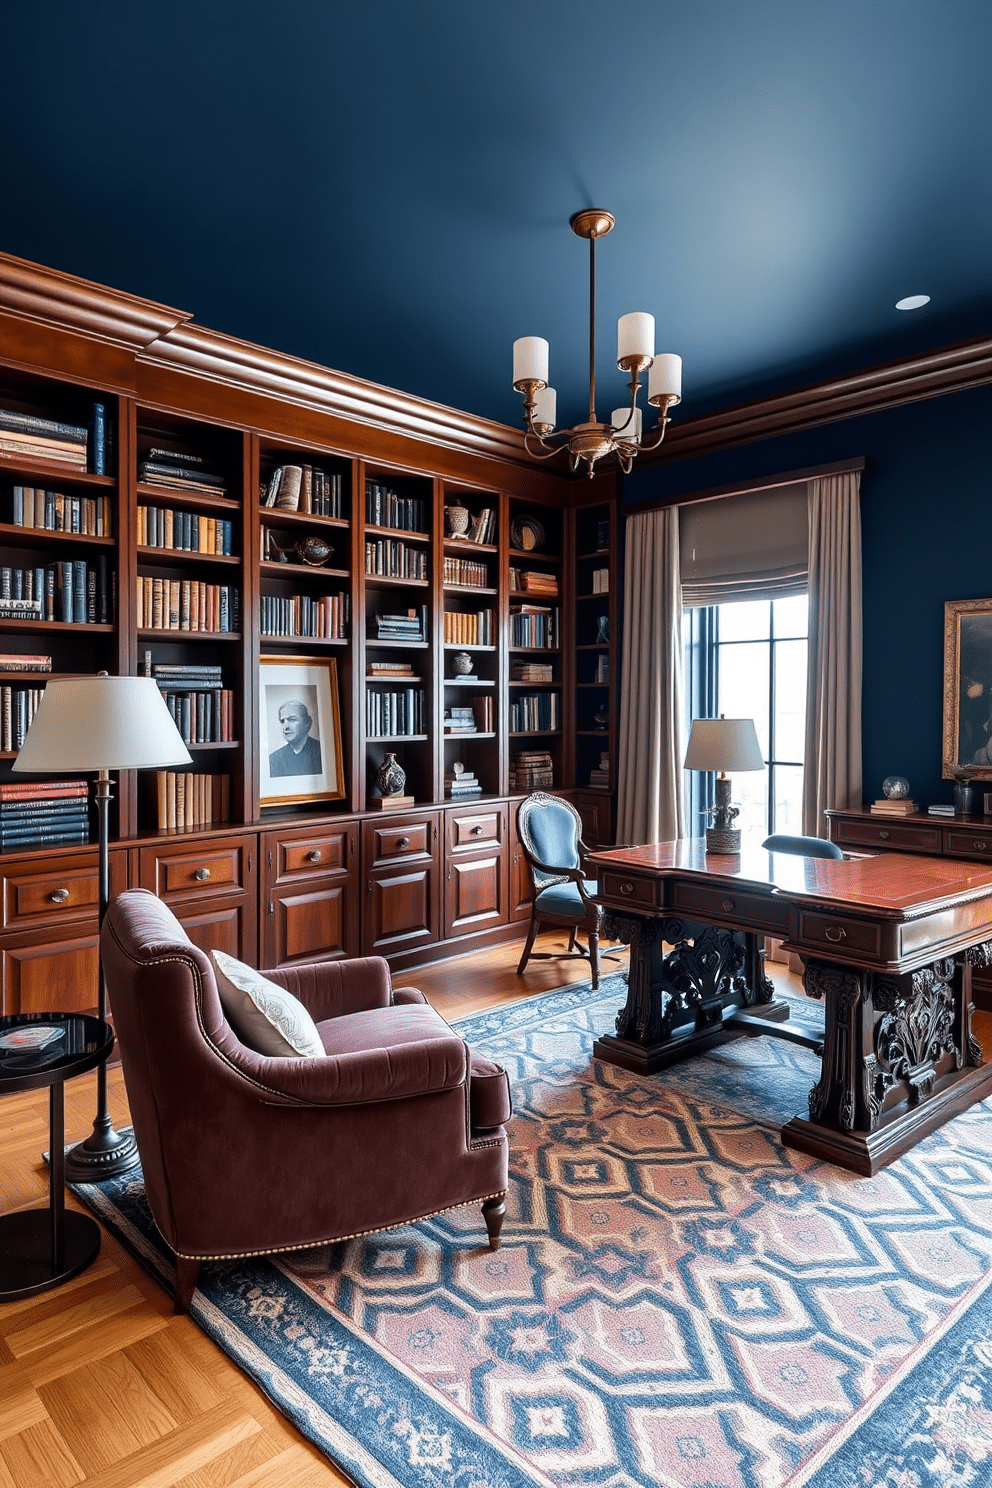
(87, 724)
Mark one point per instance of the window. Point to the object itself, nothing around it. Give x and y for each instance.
(748, 660)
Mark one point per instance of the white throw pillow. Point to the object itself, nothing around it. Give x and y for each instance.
(266, 1017)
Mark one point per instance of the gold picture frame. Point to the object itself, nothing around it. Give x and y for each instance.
(299, 719)
(967, 741)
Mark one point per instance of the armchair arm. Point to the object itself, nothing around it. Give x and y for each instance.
(570, 875)
(329, 989)
(358, 1077)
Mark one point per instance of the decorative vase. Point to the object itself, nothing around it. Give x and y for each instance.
(456, 520)
(390, 778)
(461, 663)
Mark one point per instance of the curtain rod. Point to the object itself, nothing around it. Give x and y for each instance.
(743, 488)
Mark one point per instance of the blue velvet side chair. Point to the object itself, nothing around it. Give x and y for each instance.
(550, 831)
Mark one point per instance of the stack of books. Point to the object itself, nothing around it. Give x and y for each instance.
(940, 811)
(409, 626)
(43, 439)
(461, 782)
(181, 472)
(459, 720)
(600, 776)
(16, 662)
(53, 511)
(529, 581)
(201, 707)
(378, 669)
(304, 488)
(186, 800)
(43, 814)
(532, 671)
(531, 769)
(901, 807)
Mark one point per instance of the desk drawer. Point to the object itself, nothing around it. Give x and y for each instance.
(959, 842)
(626, 888)
(727, 906)
(826, 933)
(888, 836)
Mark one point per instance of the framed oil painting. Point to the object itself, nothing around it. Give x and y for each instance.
(299, 714)
(967, 748)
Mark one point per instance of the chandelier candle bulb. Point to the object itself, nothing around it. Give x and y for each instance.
(665, 378)
(635, 337)
(530, 361)
(545, 408)
(626, 427)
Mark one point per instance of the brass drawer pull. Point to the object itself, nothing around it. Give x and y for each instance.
(477, 831)
(201, 875)
(59, 896)
(979, 846)
(885, 836)
(402, 842)
(727, 904)
(626, 888)
(835, 933)
(314, 855)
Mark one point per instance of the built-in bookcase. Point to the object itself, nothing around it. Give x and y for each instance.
(596, 579)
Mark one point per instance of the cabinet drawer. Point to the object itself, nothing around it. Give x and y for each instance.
(626, 888)
(471, 829)
(198, 869)
(55, 891)
(405, 839)
(960, 843)
(319, 852)
(826, 933)
(726, 906)
(888, 836)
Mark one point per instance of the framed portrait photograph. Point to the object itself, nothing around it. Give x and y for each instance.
(300, 757)
(967, 689)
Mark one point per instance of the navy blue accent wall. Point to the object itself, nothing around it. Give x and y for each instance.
(926, 512)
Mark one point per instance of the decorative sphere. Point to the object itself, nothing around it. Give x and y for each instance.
(895, 787)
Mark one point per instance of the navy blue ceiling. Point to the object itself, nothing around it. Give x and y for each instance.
(386, 189)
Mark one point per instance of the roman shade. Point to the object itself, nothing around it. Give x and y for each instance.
(751, 546)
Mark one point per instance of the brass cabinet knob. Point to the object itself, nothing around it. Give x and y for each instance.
(59, 896)
(727, 904)
(314, 855)
(835, 933)
(477, 831)
(201, 875)
(626, 888)
(979, 846)
(885, 836)
(402, 842)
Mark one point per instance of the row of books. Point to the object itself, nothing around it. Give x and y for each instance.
(323, 618)
(530, 581)
(465, 629)
(384, 507)
(76, 592)
(411, 625)
(390, 558)
(186, 604)
(18, 705)
(532, 671)
(601, 581)
(185, 800)
(535, 712)
(389, 715)
(531, 769)
(181, 472)
(184, 531)
(304, 488)
(535, 626)
(466, 572)
(202, 716)
(41, 814)
(81, 446)
(479, 716)
(54, 511)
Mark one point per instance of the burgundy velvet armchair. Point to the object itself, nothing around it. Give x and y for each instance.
(245, 1154)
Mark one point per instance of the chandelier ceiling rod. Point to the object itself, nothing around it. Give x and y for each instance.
(593, 440)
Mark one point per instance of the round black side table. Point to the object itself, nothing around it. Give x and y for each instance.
(39, 1248)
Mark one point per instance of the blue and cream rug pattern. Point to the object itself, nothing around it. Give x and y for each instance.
(678, 1300)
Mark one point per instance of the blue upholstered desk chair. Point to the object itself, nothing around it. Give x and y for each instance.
(805, 847)
(550, 832)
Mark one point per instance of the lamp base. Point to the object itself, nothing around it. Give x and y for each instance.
(723, 839)
(104, 1154)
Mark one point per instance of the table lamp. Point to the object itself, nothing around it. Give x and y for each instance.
(724, 745)
(102, 723)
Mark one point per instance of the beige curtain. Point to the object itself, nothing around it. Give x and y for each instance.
(652, 713)
(832, 775)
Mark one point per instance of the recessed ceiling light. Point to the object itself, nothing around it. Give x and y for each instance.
(912, 302)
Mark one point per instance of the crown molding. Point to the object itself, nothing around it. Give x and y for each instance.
(950, 369)
(69, 303)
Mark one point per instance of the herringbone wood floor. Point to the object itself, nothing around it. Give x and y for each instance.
(101, 1384)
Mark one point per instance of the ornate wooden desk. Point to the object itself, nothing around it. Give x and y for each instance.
(888, 943)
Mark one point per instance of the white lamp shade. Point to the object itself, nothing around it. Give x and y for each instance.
(635, 335)
(621, 419)
(102, 723)
(545, 406)
(724, 744)
(530, 360)
(665, 377)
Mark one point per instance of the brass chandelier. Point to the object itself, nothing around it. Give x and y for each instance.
(592, 440)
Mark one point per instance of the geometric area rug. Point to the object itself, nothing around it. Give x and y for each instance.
(678, 1300)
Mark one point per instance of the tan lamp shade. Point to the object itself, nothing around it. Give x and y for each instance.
(723, 744)
(102, 723)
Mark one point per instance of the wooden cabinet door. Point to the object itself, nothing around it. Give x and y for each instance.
(401, 869)
(475, 868)
(310, 896)
(42, 974)
(211, 886)
(521, 885)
